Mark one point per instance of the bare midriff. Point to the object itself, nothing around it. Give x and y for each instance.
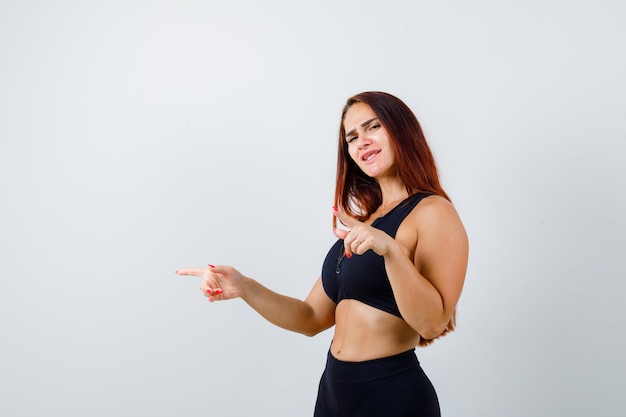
(363, 332)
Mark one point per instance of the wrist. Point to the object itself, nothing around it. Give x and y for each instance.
(392, 251)
(245, 287)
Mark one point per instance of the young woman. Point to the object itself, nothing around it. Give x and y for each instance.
(392, 280)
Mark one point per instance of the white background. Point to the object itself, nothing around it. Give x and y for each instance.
(139, 137)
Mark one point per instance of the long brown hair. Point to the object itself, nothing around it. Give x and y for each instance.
(360, 195)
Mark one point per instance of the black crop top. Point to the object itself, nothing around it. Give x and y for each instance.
(363, 277)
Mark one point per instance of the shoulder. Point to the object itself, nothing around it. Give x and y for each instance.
(432, 207)
(434, 215)
(439, 242)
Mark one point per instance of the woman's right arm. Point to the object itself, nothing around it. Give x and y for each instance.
(309, 317)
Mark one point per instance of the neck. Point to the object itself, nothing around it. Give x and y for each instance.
(393, 191)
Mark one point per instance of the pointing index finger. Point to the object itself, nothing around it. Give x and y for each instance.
(196, 272)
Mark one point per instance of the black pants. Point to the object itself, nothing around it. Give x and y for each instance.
(395, 386)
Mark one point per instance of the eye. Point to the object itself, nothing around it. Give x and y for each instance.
(374, 126)
(351, 139)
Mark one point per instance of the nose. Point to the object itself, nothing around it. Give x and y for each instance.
(363, 140)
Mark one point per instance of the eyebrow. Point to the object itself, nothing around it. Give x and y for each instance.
(365, 123)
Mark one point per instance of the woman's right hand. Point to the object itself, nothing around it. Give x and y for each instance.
(221, 282)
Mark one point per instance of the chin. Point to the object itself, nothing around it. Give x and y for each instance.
(370, 173)
(375, 172)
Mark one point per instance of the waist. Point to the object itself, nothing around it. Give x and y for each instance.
(364, 333)
(372, 369)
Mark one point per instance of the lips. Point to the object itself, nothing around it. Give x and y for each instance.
(368, 156)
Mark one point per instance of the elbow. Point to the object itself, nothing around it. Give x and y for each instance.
(430, 334)
(316, 329)
(315, 324)
(306, 331)
(309, 331)
(433, 330)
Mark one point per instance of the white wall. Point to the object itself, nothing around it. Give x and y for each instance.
(140, 137)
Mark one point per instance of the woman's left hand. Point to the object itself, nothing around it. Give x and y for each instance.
(361, 237)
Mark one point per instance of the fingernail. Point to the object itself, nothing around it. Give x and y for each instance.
(219, 291)
(176, 272)
(211, 299)
(209, 291)
(348, 255)
(335, 208)
(211, 266)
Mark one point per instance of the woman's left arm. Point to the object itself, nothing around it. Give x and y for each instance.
(427, 284)
(427, 287)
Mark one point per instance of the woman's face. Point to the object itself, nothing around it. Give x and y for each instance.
(369, 144)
